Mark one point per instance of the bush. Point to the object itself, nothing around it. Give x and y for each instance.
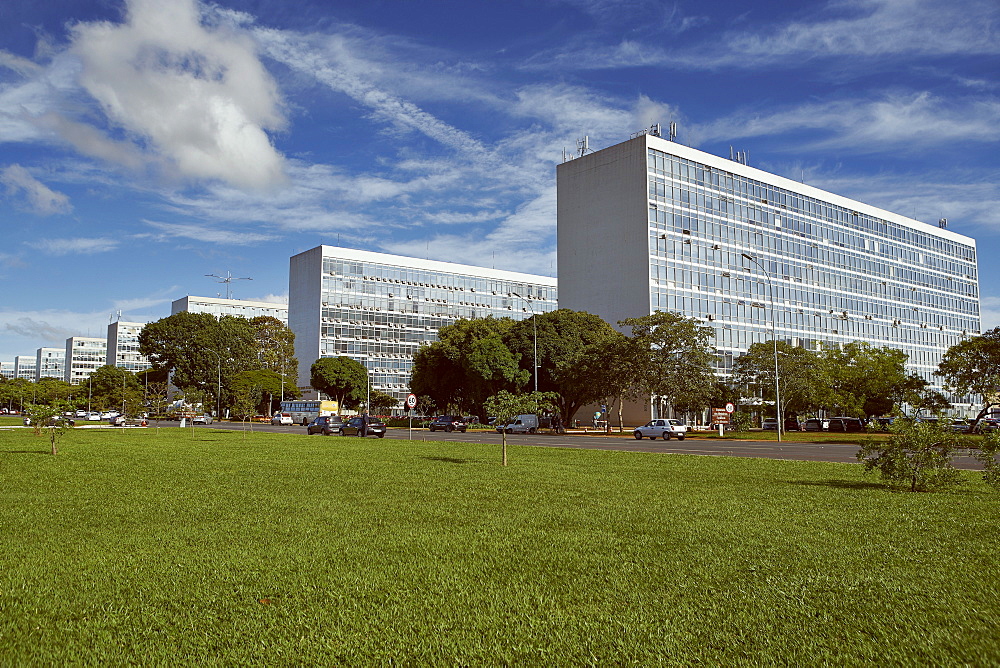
(742, 421)
(917, 454)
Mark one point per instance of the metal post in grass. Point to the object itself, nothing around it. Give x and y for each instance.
(774, 340)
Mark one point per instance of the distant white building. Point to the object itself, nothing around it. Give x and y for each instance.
(123, 346)
(24, 367)
(241, 308)
(7, 369)
(84, 355)
(379, 309)
(50, 363)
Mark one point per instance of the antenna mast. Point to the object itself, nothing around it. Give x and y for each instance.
(228, 279)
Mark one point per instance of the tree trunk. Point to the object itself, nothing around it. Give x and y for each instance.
(52, 439)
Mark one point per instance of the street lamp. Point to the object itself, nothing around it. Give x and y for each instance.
(774, 340)
(534, 327)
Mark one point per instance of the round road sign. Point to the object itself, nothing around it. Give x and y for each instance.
(730, 408)
(411, 401)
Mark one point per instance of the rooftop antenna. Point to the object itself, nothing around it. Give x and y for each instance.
(228, 279)
(583, 146)
(943, 223)
(671, 131)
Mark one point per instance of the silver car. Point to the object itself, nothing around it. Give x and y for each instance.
(663, 428)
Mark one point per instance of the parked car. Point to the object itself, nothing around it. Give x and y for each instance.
(448, 423)
(882, 423)
(960, 426)
(202, 419)
(363, 425)
(792, 424)
(816, 424)
(521, 424)
(326, 425)
(94, 417)
(282, 418)
(987, 425)
(769, 423)
(663, 428)
(846, 424)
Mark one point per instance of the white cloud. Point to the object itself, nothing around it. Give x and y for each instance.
(989, 312)
(196, 93)
(207, 234)
(83, 246)
(40, 197)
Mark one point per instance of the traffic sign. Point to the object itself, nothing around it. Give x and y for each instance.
(730, 408)
(411, 401)
(720, 416)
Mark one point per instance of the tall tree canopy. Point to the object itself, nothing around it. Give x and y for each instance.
(802, 381)
(276, 350)
(865, 380)
(671, 357)
(112, 387)
(973, 367)
(341, 378)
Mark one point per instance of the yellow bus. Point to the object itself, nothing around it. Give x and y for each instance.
(305, 411)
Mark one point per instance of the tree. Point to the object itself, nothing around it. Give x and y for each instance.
(973, 367)
(276, 352)
(48, 417)
(917, 454)
(506, 405)
(112, 387)
(671, 357)
(260, 385)
(865, 380)
(16, 393)
(341, 378)
(468, 363)
(575, 353)
(380, 402)
(801, 378)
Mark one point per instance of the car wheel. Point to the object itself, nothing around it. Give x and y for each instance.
(637, 435)
(328, 432)
(432, 428)
(666, 436)
(509, 431)
(652, 438)
(680, 437)
(449, 429)
(381, 435)
(340, 433)
(531, 431)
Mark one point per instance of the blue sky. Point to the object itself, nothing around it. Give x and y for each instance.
(145, 144)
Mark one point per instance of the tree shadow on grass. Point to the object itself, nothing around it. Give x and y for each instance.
(841, 484)
(26, 452)
(450, 460)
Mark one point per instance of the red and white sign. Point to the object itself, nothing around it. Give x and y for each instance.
(411, 401)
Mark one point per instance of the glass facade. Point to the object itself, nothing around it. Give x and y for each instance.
(837, 275)
(380, 310)
(123, 346)
(240, 308)
(50, 363)
(84, 355)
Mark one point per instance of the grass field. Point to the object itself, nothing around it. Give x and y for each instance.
(172, 547)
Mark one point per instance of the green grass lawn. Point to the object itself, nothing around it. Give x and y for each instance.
(167, 546)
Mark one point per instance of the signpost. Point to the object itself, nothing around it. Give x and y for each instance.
(411, 403)
(720, 416)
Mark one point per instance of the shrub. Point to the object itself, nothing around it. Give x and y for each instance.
(742, 421)
(917, 454)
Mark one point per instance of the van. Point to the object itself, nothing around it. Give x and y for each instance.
(521, 424)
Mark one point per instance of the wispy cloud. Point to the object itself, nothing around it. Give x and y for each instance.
(40, 198)
(81, 246)
(989, 312)
(207, 234)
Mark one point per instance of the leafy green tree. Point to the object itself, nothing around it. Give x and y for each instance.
(112, 387)
(46, 417)
(576, 350)
(988, 455)
(276, 352)
(341, 378)
(48, 389)
(468, 363)
(917, 454)
(802, 381)
(864, 379)
(381, 402)
(506, 405)
(973, 367)
(17, 393)
(671, 357)
(261, 384)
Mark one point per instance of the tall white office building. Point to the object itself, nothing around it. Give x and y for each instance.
(379, 309)
(241, 308)
(25, 366)
(650, 225)
(123, 346)
(50, 363)
(84, 355)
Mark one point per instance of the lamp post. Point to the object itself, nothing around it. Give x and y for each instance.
(774, 340)
(534, 327)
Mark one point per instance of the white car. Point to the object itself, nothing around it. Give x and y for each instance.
(282, 418)
(201, 419)
(662, 428)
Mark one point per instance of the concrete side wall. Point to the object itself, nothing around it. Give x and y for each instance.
(305, 280)
(603, 240)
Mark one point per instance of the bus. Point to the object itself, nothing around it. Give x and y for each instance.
(303, 411)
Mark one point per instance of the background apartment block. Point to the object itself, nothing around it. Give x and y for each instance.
(50, 363)
(25, 366)
(240, 308)
(84, 354)
(650, 225)
(123, 346)
(379, 309)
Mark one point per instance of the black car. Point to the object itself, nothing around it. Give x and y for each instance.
(326, 425)
(448, 423)
(846, 424)
(815, 424)
(363, 425)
